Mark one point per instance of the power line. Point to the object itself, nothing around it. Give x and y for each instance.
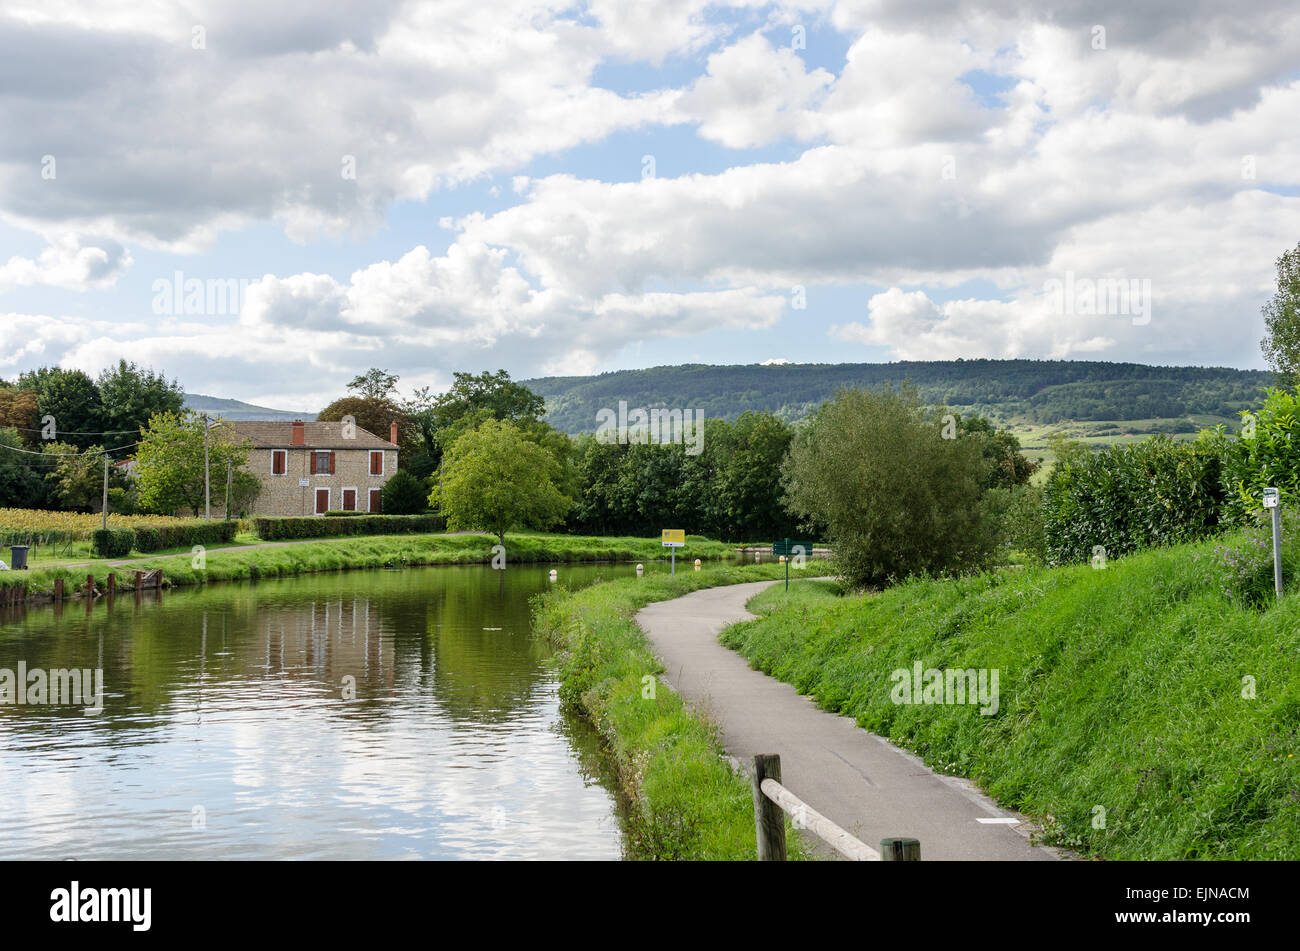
(68, 432)
(99, 452)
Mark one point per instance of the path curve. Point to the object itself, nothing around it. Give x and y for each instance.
(859, 780)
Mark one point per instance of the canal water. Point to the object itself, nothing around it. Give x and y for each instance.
(366, 715)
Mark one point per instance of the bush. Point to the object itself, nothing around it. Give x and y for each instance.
(112, 542)
(122, 501)
(342, 514)
(1125, 498)
(187, 535)
(280, 529)
(1267, 454)
(148, 540)
(1017, 512)
(405, 494)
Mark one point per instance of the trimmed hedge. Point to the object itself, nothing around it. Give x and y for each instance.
(328, 526)
(112, 542)
(148, 540)
(1125, 498)
(196, 533)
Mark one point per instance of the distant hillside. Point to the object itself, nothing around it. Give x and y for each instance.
(1018, 393)
(237, 410)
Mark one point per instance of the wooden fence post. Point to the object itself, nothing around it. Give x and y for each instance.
(900, 850)
(112, 584)
(90, 586)
(769, 821)
(58, 589)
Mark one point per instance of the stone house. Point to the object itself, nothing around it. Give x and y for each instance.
(313, 468)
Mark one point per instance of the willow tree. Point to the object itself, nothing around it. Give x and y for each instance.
(897, 486)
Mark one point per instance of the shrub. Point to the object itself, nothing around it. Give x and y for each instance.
(342, 514)
(1125, 498)
(279, 529)
(1018, 514)
(112, 542)
(1267, 454)
(189, 534)
(148, 540)
(122, 501)
(405, 494)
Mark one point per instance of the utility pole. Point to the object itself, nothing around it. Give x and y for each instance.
(207, 487)
(230, 477)
(105, 506)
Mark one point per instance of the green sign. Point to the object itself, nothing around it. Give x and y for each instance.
(787, 548)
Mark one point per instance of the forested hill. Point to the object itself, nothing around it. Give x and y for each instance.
(1008, 391)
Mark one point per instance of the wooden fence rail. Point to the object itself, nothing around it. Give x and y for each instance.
(771, 799)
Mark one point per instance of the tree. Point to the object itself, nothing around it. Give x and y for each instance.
(76, 477)
(1281, 346)
(373, 415)
(374, 384)
(21, 485)
(130, 396)
(495, 479)
(169, 465)
(1005, 466)
(404, 494)
(895, 496)
(18, 409)
(72, 398)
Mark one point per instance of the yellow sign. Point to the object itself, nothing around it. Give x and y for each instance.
(674, 538)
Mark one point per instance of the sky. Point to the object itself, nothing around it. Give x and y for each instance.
(264, 200)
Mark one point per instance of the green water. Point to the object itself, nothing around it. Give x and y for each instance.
(226, 733)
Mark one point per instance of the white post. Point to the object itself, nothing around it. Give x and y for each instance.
(1271, 500)
(105, 506)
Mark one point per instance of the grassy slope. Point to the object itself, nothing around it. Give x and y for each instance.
(687, 801)
(1119, 688)
(375, 551)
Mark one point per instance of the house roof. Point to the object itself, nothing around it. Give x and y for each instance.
(316, 435)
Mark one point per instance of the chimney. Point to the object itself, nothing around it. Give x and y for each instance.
(299, 434)
(392, 433)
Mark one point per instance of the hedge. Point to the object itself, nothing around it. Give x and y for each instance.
(1125, 498)
(327, 526)
(112, 542)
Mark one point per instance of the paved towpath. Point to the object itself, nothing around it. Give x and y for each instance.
(855, 778)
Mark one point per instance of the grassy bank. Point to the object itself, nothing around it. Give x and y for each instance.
(378, 551)
(1119, 688)
(687, 803)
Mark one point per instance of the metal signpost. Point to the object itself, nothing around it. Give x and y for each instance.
(673, 539)
(787, 549)
(1271, 496)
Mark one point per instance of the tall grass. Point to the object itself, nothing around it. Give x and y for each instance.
(687, 803)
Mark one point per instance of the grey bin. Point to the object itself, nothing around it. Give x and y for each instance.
(18, 555)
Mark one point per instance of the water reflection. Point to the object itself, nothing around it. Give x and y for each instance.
(403, 714)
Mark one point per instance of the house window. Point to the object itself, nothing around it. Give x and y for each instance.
(376, 462)
(349, 500)
(376, 500)
(279, 461)
(322, 501)
(322, 462)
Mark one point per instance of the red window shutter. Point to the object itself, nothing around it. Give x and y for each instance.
(331, 463)
(313, 463)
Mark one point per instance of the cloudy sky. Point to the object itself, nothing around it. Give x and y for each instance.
(263, 199)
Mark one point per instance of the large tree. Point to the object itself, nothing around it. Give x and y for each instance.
(72, 399)
(438, 421)
(169, 466)
(1281, 346)
(76, 477)
(494, 478)
(897, 497)
(373, 407)
(18, 409)
(130, 396)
